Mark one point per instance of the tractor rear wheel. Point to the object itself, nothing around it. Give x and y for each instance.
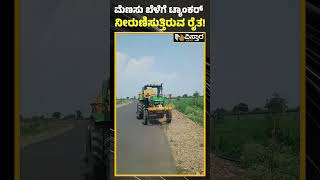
(169, 116)
(95, 155)
(139, 111)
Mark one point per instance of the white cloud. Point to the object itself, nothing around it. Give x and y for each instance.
(133, 73)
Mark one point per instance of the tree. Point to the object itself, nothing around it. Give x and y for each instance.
(178, 98)
(78, 114)
(195, 97)
(185, 95)
(69, 117)
(235, 109)
(56, 115)
(127, 97)
(219, 113)
(276, 104)
(257, 110)
(35, 118)
(241, 107)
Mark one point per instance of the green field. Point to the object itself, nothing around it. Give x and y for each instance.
(32, 127)
(123, 101)
(266, 145)
(37, 126)
(190, 106)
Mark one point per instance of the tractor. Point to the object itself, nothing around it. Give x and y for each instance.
(152, 104)
(100, 135)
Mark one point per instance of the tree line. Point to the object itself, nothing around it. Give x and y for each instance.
(195, 94)
(274, 105)
(77, 115)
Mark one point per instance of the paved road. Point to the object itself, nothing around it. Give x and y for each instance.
(62, 156)
(58, 158)
(141, 149)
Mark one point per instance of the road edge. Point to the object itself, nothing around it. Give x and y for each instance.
(43, 137)
(122, 105)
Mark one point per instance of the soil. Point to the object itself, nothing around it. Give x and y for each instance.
(222, 169)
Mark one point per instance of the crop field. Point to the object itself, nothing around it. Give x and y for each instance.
(266, 145)
(192, 107)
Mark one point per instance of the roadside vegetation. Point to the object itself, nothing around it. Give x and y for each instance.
(124, 100)
(191, 106)
(35, 125)
(263, 141)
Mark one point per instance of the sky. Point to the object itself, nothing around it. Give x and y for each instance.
(64, 53)
(155, 58)
(255, 52)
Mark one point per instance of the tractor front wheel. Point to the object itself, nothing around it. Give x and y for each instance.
(139, 111)
(146, 117)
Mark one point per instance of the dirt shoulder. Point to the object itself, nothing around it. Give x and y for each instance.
(51, 130)
(222, 169)
(186, 139)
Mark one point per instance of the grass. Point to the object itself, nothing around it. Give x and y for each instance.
(266, 145)
(123, 101)
(191, 107)
(37, 126)
(34, 130)
(32, 127)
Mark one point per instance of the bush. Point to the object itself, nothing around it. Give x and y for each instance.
(289, 138)
(230, 146)
(33, 126)
(265, 162)
(253, 153)
(267, 145)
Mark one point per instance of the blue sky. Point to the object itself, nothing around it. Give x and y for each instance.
(147, 58)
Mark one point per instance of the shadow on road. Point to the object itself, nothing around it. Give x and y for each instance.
(154, 122)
